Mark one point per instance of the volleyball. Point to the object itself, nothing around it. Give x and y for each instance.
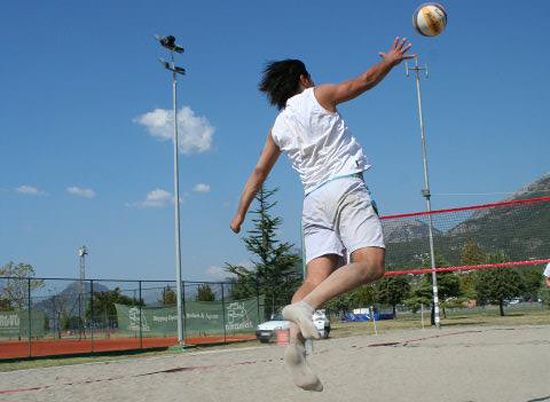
(430, 19)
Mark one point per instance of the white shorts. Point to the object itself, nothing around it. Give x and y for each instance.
(340, 217)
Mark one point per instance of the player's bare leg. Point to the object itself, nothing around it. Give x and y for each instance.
(295, 355)
(367, 265)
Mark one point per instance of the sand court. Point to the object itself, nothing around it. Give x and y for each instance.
(463, 363)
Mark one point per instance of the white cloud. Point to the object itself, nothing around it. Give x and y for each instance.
(195, 133)
(157, 198)
(201, 188)
(29, 190)
(81, 192)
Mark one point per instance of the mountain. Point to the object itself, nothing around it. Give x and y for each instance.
(67, 299)
(538, 188)
(519, 231)
(396, 231)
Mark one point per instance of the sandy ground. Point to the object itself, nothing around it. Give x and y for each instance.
(496, 364)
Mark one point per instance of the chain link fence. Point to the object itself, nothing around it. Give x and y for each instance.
(61, 316)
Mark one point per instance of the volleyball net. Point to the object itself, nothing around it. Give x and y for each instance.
(505, 234)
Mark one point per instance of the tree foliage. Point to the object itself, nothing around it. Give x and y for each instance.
(275, 267)
(168, 297)
(14, 291)
(104, 310)
(393, 290)
(205, 293)
(498, 285)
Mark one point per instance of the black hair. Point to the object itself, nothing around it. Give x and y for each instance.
(281, 80)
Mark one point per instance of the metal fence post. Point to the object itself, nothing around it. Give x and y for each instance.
(140, 314)
(223, 316)
(30, 317)
(183, 309)
(258, 301)
(92, 313)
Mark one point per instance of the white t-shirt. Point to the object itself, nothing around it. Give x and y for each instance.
(547, 271)
(318, 143)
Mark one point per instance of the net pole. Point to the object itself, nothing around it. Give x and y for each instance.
(426, 190)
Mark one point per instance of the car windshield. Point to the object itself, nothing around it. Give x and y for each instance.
(277, 317)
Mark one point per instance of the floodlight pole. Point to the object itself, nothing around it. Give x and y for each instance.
(181, 338)
(169, 43)
(82, 253)
(426, 190)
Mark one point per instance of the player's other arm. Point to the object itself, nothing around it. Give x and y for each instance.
(269, 156)
(547, 280)
(330, 95)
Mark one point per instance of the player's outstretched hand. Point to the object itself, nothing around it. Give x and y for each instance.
(398, 51)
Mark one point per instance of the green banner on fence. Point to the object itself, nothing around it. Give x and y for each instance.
(200, 317)
(16, 323)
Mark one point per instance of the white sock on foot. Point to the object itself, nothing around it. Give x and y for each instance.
(301, 314)
(303, 377)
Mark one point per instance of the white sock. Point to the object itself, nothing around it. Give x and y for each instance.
(301, 314)
(303, 377)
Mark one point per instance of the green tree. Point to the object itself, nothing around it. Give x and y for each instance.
(448, 286)
(363, 296)
(275, 271)
(544, 296)
(472, 255)
(14, 292)
(168, 297)
(205, 293)
(340, 304)
(104, 310)
(495, 286)
(393, 290)
(420, 294)
(532, 279)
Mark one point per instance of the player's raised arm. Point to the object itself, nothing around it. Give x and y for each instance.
(269, 156)
(330, 95)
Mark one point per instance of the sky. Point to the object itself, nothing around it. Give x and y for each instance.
(86, 151)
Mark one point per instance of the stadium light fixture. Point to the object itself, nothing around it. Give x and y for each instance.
(169, 42)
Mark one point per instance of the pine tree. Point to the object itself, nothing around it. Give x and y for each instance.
(205, 293)
(275, 267)
(168, 297)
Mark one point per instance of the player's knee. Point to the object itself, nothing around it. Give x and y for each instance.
(378, 270)
(371, 270)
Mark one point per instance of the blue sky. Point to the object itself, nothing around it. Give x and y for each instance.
(85, 158)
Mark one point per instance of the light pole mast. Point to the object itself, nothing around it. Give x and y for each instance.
(169, 42)
(82, 253)
(426, 190)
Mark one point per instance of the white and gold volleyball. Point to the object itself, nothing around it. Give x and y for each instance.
(430, 19)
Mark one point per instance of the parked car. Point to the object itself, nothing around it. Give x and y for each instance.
(266, 331)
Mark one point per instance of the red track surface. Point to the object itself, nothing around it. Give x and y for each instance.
(58, 347)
